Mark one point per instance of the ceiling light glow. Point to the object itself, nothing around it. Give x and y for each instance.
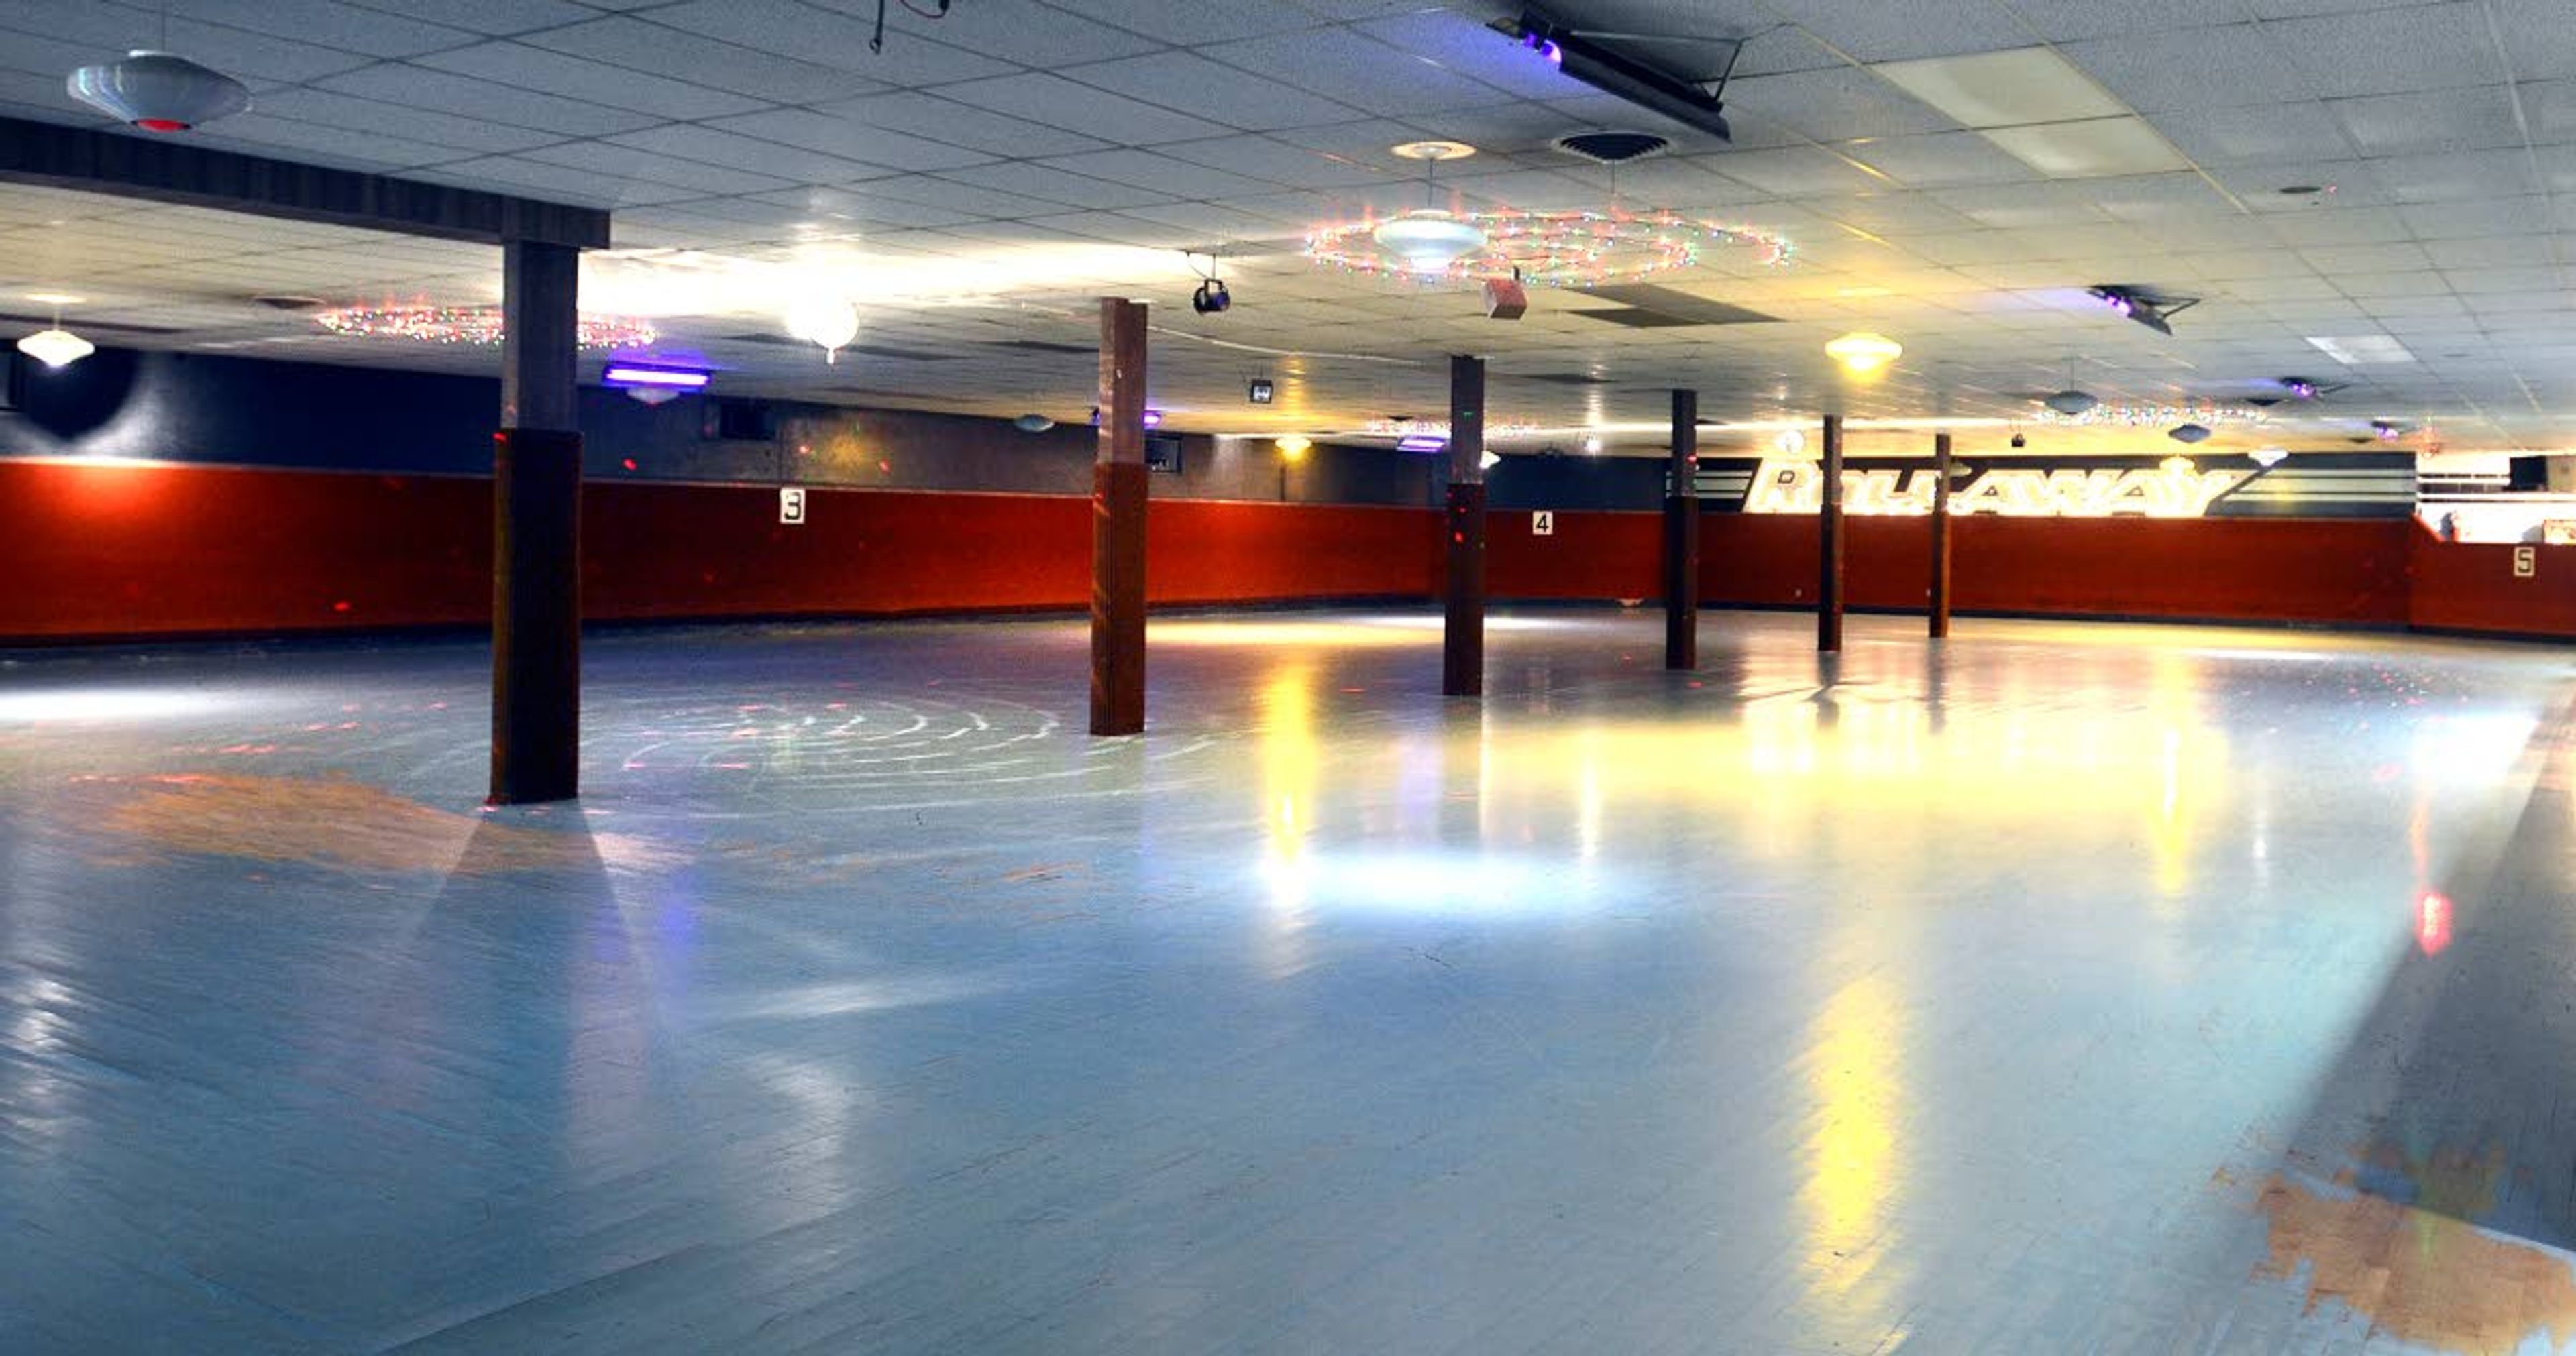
(1863, 353)
(56, 347)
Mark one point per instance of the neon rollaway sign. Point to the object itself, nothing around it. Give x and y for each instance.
(2175, 489)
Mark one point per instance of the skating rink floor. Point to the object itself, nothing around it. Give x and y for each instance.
(2055, 989)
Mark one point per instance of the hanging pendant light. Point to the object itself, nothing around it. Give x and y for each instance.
(2188, 433)
(56, 346)
(2072, 403)
(1428, 239)
(158, 92)
(826, 320)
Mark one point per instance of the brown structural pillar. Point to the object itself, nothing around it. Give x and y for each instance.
(536, 532)
(1940, 610)
(1681, 538)
(1118, 526)
(1462, 650)
(1829, 541)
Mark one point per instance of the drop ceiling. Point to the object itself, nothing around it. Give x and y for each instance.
(989, 175)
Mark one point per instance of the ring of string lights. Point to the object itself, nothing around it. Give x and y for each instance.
(480, 325)
(2159, 416)
(1552, 249)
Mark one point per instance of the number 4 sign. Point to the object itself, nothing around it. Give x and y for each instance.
(1543, 523)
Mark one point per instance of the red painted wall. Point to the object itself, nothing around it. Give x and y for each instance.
(104, 551)
(2470, 586)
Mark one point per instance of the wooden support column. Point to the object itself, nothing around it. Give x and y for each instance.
(536, 532)
(1681, 538)
(1940, 599)
(1829, 541)
(1462, 650)
(1118, 526)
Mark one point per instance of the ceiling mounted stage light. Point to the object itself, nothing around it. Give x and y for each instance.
(2150, 308)
(1610, 63)
(1864, 353)
(158, 92)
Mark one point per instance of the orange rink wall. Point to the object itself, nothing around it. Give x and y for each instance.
(103, 552)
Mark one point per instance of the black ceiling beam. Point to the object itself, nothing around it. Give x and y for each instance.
(165, 170)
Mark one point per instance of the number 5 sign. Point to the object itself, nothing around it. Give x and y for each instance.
(2526, 562)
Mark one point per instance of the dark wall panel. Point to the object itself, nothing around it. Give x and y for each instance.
(1591, 555)
(2323, 570)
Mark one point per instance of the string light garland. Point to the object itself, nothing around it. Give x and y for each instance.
(1550, 249)
(474, 325)
(2159, 416)
(1439, 428)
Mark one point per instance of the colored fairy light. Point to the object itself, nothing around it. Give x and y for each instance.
(477, 325)
(1545, 249)
(2154, 415)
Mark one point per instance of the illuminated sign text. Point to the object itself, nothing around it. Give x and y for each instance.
(2174, 490)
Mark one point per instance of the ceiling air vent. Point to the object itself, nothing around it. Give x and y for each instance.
(1612, 148)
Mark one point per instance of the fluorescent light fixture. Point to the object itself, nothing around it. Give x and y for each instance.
(1420, 442)
(2355, 350)
(2094, 149)
(2005, 89)
(644, 374)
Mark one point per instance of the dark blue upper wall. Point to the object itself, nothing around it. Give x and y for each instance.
(222, 410)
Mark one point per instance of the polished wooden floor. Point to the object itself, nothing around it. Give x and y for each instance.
(2058, 989)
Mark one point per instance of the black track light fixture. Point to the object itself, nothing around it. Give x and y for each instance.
(2145, 305)
(1613, 64)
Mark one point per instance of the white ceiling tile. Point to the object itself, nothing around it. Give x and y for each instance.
(932, 118)
(1200, 21)
(2007, 88)
(2392, 51)
(1063, 186)
(553, 182)
(732, 149)
(2194, 68)
(1799, 172)
(1941, 160)
(343, 146)
(2448, 120)
(2255, 133)
(1080, 109)
(1275, 161)
(2470, 220)
(327, 23)
(494, 18)
(1192, 84)
(855, 139)
(2069, 20)
(2459, 176)
(1347, 67)
(1872, 30)
(328, 109)
(1157, 175)
(2344, 226)
(641, 46)
(466, 97)
(1835, 105)
(913, 56)
(526, 67)
(2537, 38)
(654, 167)
(1034, 34)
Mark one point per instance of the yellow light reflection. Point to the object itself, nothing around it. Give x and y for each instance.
(1852, 1069)
(1288, 755)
